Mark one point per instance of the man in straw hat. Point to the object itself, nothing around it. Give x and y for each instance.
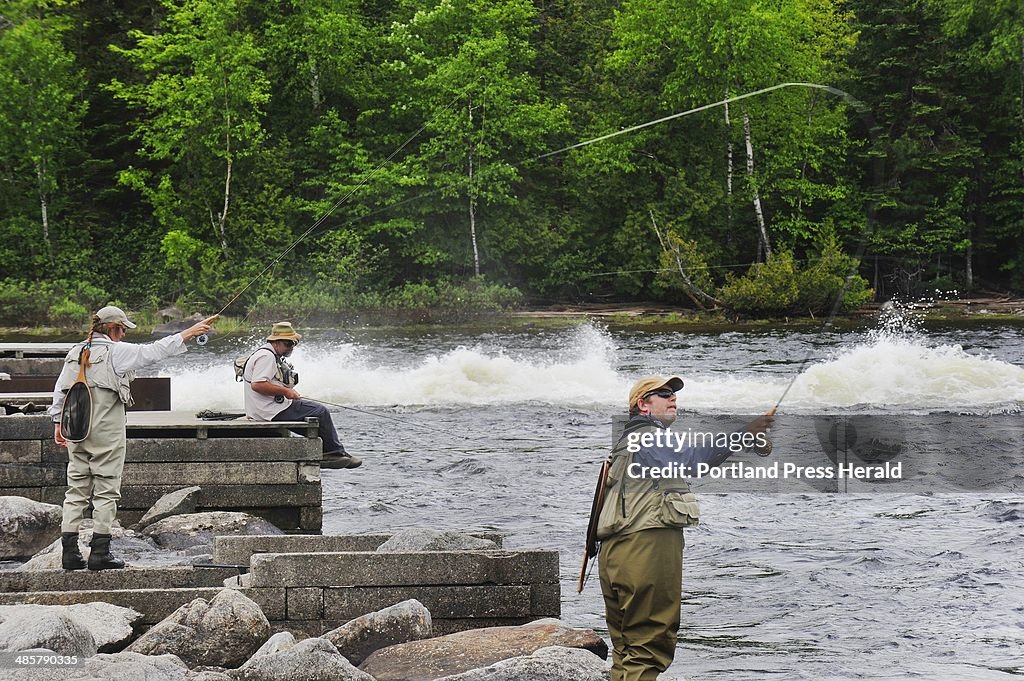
(270, 394)
(640, 528)
(95, 463)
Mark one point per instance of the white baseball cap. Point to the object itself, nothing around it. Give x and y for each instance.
(112, 315)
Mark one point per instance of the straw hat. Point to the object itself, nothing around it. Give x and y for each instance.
(649, 383)
(283, 331)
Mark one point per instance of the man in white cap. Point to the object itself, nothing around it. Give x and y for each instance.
(95, 462)
(270, 394)
(640, 529)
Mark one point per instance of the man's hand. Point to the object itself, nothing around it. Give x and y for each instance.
(763, 423)
(292, 394)
(58, 436)
(199, 328)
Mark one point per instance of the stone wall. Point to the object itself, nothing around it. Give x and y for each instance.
(258, 468)
(310, 586)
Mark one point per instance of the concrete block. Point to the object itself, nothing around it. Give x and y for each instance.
(22, 451)
(154, 604)
(26, 427)
(309, 473)
(32, 366)
(405, 569)
(209, 473)
(27, 475)
(33, 493)
(311, 518)
(283, 518)
(191, 450)
(546, 600)
(445, 602)
(176, 577)
(240, 549)
(305, 603)
(272, 601)
(240, 497)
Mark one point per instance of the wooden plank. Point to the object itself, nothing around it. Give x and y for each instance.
(19, 399)
(20, 350)
(187, 424)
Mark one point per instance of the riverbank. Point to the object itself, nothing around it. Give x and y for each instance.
(962, 311)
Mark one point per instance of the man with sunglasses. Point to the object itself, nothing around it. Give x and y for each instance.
(270, 394)
(640, 528)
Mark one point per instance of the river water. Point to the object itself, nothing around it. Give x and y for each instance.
(799, 584)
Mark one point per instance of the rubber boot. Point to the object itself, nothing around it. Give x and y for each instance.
(71, 556)
(100, 558)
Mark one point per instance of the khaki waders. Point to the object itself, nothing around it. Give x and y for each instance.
(641, 579)
(95, 465)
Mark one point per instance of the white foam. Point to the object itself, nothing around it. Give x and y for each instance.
(583, 370)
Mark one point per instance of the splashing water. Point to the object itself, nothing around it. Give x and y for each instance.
(590, 367)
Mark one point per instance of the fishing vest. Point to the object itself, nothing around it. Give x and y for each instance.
(100, 373)
(285, 373)
(634, 504)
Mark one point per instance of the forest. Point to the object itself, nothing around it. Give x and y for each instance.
(329, 156)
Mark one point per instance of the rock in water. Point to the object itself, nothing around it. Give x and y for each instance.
(223, 632)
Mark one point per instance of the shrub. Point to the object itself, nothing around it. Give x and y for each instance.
(766, 288)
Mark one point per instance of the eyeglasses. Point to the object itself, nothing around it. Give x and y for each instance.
(660, 392)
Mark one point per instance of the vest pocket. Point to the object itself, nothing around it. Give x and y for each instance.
(679, 509)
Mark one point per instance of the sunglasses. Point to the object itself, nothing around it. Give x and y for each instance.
(290, 344)
(660, 392)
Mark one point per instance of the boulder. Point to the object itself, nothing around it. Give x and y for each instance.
(460, 652)
(126, 666)
(178, 502)
(26, 527)
(400, 623)
(547, 664)
(433, 540)
(111, 626)
(193, 529)
(278, 643)
(314, 659)
(126, 545)
(222, 632)
(208, 674)
(25, 627)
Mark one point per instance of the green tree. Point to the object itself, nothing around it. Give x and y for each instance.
(42, 104)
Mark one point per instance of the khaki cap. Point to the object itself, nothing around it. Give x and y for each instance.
(112, 315)
(283, 331)
(649, 383)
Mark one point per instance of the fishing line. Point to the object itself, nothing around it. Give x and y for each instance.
(404, 422)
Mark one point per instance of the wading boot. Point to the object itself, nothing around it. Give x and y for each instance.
(71, 555)
(100, 558)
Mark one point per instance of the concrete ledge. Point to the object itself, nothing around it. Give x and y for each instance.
(210, 473)
(155, 450)
(105, 580)
(404, 569)
(239, 549)
(27, 475)
(22, 451)
(443, 602)
(26, 427)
